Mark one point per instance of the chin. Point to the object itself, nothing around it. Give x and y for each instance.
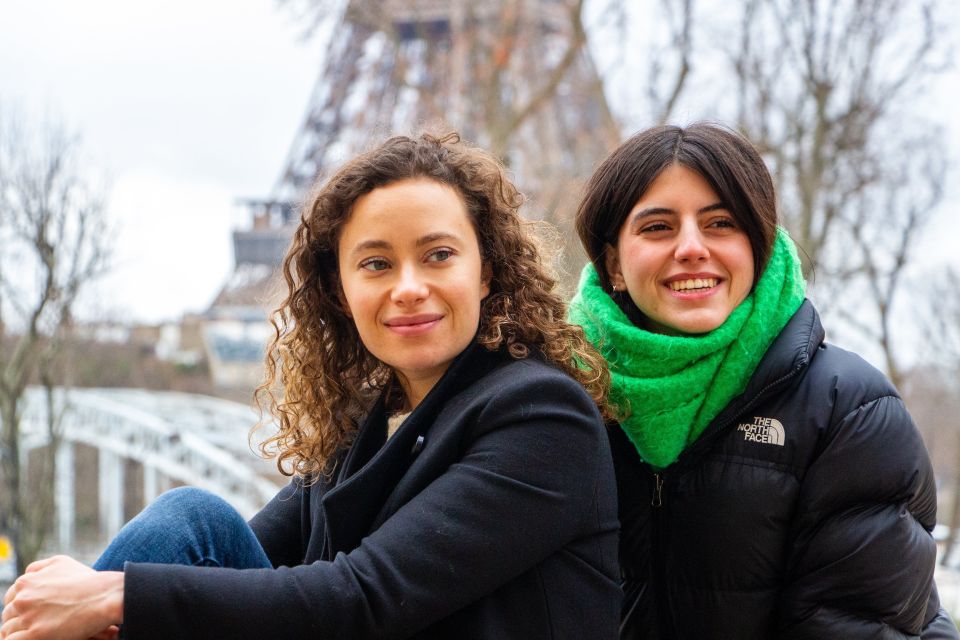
(693, 326)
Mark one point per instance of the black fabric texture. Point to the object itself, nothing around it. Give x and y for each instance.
(502, 526)
(825, 534)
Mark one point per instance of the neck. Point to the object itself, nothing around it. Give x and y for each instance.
(415, 389)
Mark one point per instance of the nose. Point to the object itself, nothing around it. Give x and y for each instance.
(691, 245)
(410, 288)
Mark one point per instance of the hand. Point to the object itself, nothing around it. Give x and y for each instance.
(110, 633)
(62, 599)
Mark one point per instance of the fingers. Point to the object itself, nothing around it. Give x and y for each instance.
(9, 627)
(110, 633)
(40, 564)
(9, 613)
(11, 593)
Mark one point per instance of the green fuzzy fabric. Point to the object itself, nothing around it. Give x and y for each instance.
(671, 387)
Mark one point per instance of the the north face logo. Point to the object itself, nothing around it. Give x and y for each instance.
(765, 430)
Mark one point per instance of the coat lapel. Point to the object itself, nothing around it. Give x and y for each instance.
(355, 506)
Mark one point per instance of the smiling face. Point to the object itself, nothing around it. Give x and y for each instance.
(681, 256)
(412, 279)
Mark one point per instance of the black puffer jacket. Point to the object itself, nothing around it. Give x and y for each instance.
(803, 511)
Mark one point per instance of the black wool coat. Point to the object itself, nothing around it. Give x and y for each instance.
(489, 514)
(803, 511)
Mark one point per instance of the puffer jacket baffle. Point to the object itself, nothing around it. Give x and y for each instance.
(803, 511)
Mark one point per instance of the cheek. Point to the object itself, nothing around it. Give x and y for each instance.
(745, 267)
(355, 302)
(635, 264)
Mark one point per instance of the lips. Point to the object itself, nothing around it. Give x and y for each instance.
(414, 325)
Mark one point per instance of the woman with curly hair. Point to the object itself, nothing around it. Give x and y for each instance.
(451, 473)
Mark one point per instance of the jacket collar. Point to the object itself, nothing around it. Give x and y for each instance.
(792, 350)
(790, 353)
(374, 465)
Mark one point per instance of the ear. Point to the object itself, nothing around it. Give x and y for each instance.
(611, 261)
(486, 275)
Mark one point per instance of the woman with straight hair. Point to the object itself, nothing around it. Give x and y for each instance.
(452, 476)
(771, 485)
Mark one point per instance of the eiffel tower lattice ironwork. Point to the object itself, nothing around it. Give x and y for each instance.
(514, 76)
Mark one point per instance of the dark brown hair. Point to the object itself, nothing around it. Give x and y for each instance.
(724, 158)
(320, 377)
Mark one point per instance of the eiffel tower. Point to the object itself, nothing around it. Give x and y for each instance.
(513, 76)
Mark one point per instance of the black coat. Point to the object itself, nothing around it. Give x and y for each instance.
(490, 514)
(804, 510)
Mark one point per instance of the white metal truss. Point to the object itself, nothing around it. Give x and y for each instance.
(196, 440)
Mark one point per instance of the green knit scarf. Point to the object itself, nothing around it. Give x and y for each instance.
(671, 387)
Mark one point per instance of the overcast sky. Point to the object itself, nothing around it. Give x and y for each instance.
(186, 106)
(189, 105)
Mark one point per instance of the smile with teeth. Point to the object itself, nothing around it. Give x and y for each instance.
(693, 284)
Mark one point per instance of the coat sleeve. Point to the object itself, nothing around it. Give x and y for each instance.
(524, 487)
(861, 558)
(279, 526)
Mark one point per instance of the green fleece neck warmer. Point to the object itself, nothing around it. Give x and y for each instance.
(671, 387)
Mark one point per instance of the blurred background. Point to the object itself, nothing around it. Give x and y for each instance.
(153, 156)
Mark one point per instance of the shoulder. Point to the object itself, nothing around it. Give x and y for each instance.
(865, 436)
(848, 373)
(830, 377)
(842, 382)
(534, 381)
(843, 392)
(525, 391)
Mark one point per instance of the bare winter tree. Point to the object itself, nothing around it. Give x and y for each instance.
(938, 415)
(820, 83)
(827, 89)
(884, 223)
(54, 242)
(671, 63)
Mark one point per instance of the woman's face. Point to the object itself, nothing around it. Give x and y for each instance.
(681, 256)
(413, 279)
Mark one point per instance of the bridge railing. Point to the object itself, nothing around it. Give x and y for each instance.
(185, 444)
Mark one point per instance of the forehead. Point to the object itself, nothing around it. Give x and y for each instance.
(678, 180)
(404, 211)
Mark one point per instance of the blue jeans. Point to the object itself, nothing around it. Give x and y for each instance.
(186, 526)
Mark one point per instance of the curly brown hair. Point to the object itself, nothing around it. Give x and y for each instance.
(320, 378)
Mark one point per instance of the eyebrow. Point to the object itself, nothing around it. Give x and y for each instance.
(429, 238)
(651, 211)
(434, 237)
(370, 244)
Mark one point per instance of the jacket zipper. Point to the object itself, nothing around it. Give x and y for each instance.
(665, 616)
(658, 558)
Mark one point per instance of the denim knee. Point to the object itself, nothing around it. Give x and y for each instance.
(186, 525)
(195, 505)
(209, 518)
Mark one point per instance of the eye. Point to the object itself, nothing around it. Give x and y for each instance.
(440, 254)
(374, 264)
(724, 222)
(655, 226)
